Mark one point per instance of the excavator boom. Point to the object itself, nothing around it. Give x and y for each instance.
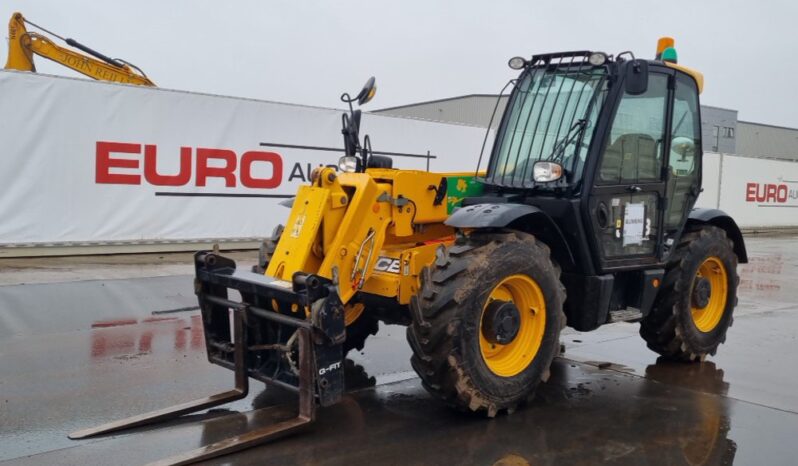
(22, 45)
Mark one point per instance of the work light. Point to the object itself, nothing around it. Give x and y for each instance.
(347, 164)
(517, 63)
(597, 58)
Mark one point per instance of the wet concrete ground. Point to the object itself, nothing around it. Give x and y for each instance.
(79, 353)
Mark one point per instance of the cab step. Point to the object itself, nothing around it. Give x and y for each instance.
(625, 315)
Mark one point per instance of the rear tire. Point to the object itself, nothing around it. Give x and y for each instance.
(448, 332)
(678, 326)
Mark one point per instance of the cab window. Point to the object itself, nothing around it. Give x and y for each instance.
(684, 157)
(633, 152)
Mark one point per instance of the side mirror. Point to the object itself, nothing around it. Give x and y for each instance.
(368, 91)
(683, 146)
(351, 130)
(636, 79)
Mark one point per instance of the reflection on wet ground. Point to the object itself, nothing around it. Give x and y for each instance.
(569, 422)
(771, 271)
(760, 344)
(76, 354)
(566, 423)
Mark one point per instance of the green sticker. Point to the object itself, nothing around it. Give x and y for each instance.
(460, 187)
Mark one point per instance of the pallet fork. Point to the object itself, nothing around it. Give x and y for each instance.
(215, 274)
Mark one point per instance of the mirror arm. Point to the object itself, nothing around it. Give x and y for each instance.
(345, 97)
(365, 153)
(351, 126)
(350, 148)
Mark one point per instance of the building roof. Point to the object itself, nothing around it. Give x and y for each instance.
(427, 102)
(767, 125)
(476, 109)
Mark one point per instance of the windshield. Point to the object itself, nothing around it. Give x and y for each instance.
(550, 116)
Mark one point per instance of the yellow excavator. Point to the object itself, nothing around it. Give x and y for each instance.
(23, 44)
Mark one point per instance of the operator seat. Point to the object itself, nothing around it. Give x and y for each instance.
(631, 158)
(379, 161)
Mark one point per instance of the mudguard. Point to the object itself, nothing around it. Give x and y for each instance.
(720, 219)
(527, 218)
(489, 215)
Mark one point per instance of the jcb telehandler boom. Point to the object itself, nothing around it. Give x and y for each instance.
(22, 45)
(583, 217)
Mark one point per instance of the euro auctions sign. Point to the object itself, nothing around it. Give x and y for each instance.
(758, 192)
(197, 164)
(92, 162)
(136, 164)
(772, 194)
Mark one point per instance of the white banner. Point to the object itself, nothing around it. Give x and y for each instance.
(710, 179)
(86, 162)
(759, 192)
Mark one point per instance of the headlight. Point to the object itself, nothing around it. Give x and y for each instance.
(517, 63)
(544, 172)
(347, 164)
(597, 58)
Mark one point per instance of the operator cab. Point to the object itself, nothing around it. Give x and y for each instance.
(608, 147)
(607, 152)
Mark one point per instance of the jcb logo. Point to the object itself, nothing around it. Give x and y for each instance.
(387, 264)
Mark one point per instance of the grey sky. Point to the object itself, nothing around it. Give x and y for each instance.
(309, 51)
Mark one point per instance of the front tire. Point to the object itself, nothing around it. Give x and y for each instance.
(694, 306)
(462, 350)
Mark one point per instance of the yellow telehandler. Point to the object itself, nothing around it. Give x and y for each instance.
(584, 216)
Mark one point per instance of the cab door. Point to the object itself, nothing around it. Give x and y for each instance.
(626, 200)
(684, 159)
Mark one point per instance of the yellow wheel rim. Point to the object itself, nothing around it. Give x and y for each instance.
(511, 359)
(352, 312)
(706, 318)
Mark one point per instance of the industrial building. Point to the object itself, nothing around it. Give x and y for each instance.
(722, 131)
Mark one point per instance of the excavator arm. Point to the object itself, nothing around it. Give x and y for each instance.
(22, 45)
